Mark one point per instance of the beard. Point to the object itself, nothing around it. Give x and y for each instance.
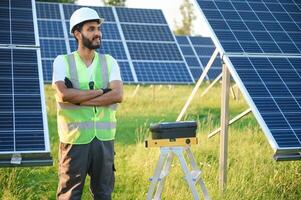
(89, 43)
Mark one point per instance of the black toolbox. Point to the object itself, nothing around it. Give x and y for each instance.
(171, 130)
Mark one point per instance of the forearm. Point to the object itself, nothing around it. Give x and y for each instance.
(76, 96)
(107, 99)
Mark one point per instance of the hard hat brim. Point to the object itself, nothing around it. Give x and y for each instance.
(101, 21)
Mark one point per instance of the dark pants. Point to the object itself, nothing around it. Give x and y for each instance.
(77, 160)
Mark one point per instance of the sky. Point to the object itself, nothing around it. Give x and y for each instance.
(170, 8)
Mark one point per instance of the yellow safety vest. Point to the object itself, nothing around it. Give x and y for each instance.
(80, 124)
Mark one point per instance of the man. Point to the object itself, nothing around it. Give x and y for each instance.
(88, 86)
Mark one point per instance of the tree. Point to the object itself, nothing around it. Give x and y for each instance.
(114, 2)
(58, 1)
(188, 16)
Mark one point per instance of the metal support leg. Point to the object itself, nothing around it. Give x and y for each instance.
(161, 171)
(163, 168)
(164, 173)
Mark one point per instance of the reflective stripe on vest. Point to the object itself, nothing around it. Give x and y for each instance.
(91, 125)
(73, 71)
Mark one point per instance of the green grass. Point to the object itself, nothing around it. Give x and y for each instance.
(252, 173)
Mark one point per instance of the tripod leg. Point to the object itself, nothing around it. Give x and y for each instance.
(195, 167)
(156, 177)
(165, 172)
(188, 176)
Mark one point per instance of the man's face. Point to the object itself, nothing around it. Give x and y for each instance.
(91, 35)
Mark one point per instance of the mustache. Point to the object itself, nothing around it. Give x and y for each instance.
(96, 37)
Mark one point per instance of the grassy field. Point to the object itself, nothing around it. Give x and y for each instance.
(252, 173)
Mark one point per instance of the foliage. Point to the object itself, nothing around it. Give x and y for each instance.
(114, 2)
(252, 173)
(188, 16)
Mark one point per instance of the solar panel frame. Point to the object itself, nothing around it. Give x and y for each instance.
(257, 110)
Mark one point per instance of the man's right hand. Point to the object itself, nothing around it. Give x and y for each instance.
(68, 83)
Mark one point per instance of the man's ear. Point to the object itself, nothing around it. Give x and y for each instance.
(77, 34)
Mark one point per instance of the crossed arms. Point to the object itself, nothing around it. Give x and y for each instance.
(90, 97)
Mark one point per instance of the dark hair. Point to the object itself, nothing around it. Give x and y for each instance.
(79, 26)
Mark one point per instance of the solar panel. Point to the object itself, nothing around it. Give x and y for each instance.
(150, 43)
(52, 35)
(150, 72)
(48, 11)
(104, 12)
(125, 70)
(274, 86)
(154, 51)
(17, 18)
(197, 52)
(145, 16)
(22, 120)
(260, 41)
(255, 26)
(23, 124)
(147, 33)
(129, 35)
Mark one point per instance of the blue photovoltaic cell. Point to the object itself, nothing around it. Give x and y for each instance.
(104, 12)
(161, 72)
(4, 22)
(22, 32)
(50, 29)
(115, 49)
(47, 70)
(154, 51)
(187, 51)
(126, 74)
(196, 72)
(255, 26)
(109, 31)
(4, 3)
(204, 49)
(202, 41)
(146, 32)
(214, 72)
(274, 85)
(182, 40)
(145, 16)
(50, 48)
(48, 11)
(192, 61)
(20, 4)
(198, 55)
(17, 18)
(21, 120)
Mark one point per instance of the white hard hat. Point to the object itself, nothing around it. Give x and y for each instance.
(83, 14)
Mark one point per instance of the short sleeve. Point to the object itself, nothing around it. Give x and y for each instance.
(115, 70)
(59, 69)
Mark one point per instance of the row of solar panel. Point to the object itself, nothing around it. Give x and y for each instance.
(261, 41)
(52, 11)
(255, 27)
(148, 43)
